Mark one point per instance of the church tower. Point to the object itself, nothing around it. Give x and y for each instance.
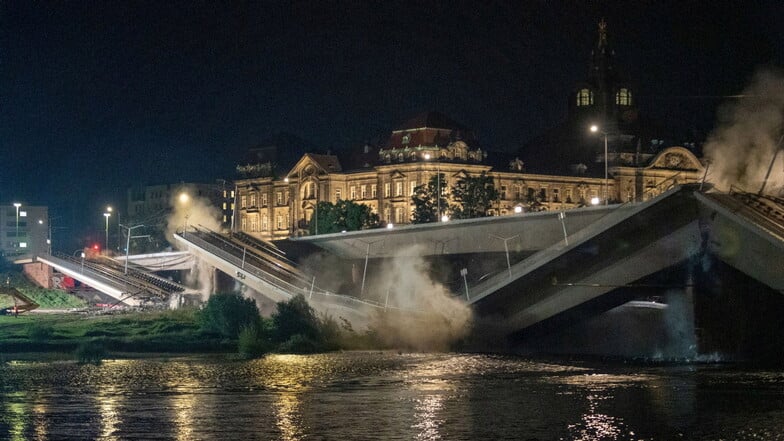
(605, 98)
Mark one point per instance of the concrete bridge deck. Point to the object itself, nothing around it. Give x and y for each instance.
(605, 253)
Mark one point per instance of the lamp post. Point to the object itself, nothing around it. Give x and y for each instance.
(184, 198)
(595, 128)
(17, 205)
(106, 215)
(128, 245)
(438, 188)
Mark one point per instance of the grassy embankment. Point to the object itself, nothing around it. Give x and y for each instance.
(46, 298)
(162, 332)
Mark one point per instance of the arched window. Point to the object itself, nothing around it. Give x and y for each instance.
(623, 97)
(585, 97)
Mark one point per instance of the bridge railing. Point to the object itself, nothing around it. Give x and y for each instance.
(307, 288)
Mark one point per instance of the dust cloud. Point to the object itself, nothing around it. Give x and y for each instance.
(188, 212)
(740, 150)
(422, 314)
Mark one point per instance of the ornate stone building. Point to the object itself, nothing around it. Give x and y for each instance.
(566, 170)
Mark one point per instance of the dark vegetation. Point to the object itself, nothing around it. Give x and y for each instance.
(45, 298)
(228, 323)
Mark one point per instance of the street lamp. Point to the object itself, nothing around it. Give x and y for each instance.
(595, 128)
(106, 215)
(438, 186)
(184, 198)
(128, 245)
(17, 205)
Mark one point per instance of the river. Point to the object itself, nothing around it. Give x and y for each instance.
(387, 396)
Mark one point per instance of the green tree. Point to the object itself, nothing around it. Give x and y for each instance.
(343, 215)
(474, 196)
(295, 317)
(425, 200)
(228, 314)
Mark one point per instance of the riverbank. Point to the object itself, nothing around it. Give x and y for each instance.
(59, 335)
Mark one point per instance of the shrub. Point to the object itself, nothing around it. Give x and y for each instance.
(251, 342)
(91, 351)
(227, 314)
(295, 317)
(299, 344)
(40, 332)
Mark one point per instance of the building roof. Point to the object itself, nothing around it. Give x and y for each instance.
(433, 120)
(329, 163)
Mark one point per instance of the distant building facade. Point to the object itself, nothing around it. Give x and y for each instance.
(279, 206)
(567, 169)
(24, 231)
(154, 202)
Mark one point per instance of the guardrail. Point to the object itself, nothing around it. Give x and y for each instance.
(311, 292)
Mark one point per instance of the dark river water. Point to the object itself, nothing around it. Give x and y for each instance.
(370, 395)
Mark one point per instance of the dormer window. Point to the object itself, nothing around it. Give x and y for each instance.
(406, 139)
(623, 97)
(584, 97)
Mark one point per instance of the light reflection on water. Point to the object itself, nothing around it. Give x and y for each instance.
(372, 395)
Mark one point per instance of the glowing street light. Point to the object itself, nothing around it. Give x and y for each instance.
(595, 128)
(107, 215)
(17, 205)
(184, 198)
(438, 186)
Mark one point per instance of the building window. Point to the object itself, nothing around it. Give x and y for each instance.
(387, 189)
(363, 191)
(243, 203)
(264, 223)
(413, 185)
(253, 199)
(399, 188)
(373, 191)
(338, 194)
(503, 192)
(399, 215)
(279, 198)
(568, 195)
(387, 215)
(543, 194)
(555, 195)
(254, 223)
(264, 200)
(585, 97)
(279, 222)
(623, 97)
(353, 192)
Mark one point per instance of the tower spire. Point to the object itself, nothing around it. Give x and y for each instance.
(602, 35)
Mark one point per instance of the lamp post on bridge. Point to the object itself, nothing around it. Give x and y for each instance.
(128, 245)
(595, 128)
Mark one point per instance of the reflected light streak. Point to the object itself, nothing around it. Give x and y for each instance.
(428, 423)
(41, 423)
(107, 407)
(17, 415)
(291, 381)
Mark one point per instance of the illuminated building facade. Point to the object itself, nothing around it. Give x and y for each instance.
(628, 159)
(24, 231)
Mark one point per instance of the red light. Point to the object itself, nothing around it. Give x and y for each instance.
(96, 247)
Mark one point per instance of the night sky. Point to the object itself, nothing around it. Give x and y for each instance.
(98, 96)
